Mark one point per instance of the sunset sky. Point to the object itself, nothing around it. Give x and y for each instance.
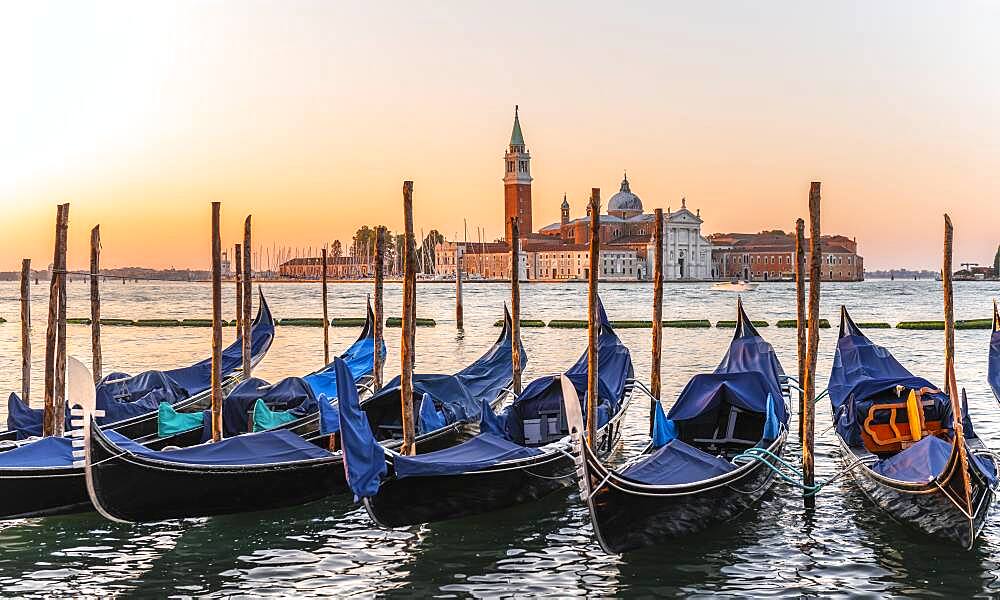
(309, 115)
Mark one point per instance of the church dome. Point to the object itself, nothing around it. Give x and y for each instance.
(625, 200)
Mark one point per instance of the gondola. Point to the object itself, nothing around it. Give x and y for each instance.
(691, 476)
(993, 373)
(518, 456)
(38, 476)
(129, 482)
(915, 478)
(293, 403)
(130, 403)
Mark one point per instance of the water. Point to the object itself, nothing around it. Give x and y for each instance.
(545, 548)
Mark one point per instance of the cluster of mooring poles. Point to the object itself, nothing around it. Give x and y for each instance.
(53, 414)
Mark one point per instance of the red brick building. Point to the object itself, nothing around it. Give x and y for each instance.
(770, 255)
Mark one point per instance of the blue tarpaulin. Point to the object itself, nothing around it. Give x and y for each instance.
(364, 458)
(122, 397)
(329, 416)
(677, 463)
(46, 452)
(926, 460)
(295, 397)
(480, 452)
(993, 373)
(614, 367)
(430, 418)
(747, 379)
(664, 429)
(489, 422)
(265, 448)
(458, 397)
(748, 373)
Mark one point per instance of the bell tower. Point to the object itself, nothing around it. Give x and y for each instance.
(517, 181)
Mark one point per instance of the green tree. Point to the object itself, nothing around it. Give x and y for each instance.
(427, 249)
(336, 249)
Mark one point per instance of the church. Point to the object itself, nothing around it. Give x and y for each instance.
(560, 250)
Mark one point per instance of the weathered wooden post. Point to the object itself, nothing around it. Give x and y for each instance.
(808, 406)
(515, 303)
(654, 377)
(459, 317)
(26, 330)
(380, 234)
(216, 325)
(247, 301)
(53, 419)
(239, 290)
(326, 316)
(95, 301)
(800, 304)
(951, 386)
(408, 328)
(593, 327)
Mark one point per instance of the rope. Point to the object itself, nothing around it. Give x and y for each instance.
(795, 477)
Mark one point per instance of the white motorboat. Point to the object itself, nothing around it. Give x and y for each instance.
(736, 285)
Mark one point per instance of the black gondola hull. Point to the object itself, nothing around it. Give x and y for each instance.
(628, 516)
(927, 508)
(42, 492)
(134, 489)
(416, 500)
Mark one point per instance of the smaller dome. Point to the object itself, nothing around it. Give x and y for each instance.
(625, 200)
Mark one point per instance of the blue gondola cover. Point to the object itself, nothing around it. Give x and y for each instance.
(329, 415)
(122, 397)
(265, 448)
(459, 397)
(46, 452)
(677, 463)
(364, 458)
(664, 429)
(489, 422)
(545, 393)
(479, 452)
(430, 418)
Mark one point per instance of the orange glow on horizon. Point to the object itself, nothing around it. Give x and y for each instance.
(310, 116)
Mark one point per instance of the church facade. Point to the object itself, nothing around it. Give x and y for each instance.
(560, 250)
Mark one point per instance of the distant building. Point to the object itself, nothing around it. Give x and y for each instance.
(337, 267)
(560, 250)
(770, 255)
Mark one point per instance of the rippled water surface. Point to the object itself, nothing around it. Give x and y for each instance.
(544, 548)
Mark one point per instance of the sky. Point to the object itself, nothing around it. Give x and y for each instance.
(309, 116)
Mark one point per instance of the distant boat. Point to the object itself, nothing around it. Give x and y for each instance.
(736, 285)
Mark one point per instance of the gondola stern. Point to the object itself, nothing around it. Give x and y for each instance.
(847, 325)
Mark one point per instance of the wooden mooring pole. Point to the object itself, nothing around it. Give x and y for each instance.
(812, 347)
(239, 290)
(247, 301)
(459, 316)
(800, 304)
(408, 326)
(53, 415)
(95, 301)
(26, 330)
(216, 325)
(593, 327)
(380, 234)
(326, 315)
(654, 377)
(951, 386)
(515, 304)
